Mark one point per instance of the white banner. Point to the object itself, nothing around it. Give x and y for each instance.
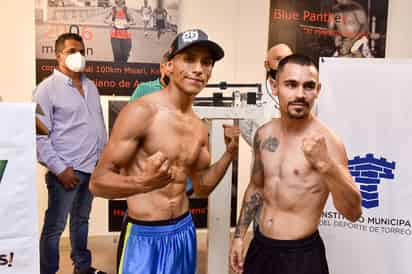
(368, 104)
(18, 193)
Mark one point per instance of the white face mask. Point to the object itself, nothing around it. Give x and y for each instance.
(76, 62)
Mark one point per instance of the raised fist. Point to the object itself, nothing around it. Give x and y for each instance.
(316, 152)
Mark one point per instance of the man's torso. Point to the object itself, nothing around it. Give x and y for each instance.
(183, 139)
(294, 193)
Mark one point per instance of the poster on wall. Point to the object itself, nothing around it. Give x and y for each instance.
(18, 194)
(330, 28)
(368, 111)
(124, 39)
(198, 206)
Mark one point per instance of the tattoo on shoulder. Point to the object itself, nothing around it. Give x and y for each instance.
(270, 144)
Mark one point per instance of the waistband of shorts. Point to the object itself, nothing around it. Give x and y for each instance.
(161, 226)
(309, 241)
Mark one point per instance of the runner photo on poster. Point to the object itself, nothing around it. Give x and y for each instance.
(124, 39)
(330, 28)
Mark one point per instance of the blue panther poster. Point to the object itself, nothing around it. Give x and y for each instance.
(330, 28)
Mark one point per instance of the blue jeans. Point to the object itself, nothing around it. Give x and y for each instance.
(78, 202)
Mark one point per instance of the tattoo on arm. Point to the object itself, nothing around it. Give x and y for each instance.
(257, 163)
(250, 208)
(270, 144)
(257, 166)
(237, 232)
(256, 144)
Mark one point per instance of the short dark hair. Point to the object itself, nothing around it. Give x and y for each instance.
(59, 44)
(298, 59)
(165, 58)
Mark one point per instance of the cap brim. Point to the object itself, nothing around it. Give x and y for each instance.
(215, 49)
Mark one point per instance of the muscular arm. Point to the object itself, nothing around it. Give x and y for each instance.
(106, 180)
(205, 180)
(331, 163)
(345, 194)
(253, 198)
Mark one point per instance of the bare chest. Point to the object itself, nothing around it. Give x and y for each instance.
(182, 139)
(287, 169)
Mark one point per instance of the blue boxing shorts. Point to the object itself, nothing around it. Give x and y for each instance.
(159, 247)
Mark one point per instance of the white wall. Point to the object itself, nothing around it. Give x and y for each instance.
(399, 29)
(240, 26)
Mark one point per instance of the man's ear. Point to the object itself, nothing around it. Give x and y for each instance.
(266, 65)
(318, 89)
(274, 86)
(168, 67)
(58, 56)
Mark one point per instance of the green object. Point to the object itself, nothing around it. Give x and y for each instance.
(146, 88)
(3, 164)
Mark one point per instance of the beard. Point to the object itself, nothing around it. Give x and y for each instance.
(302, 112)
(297, 116)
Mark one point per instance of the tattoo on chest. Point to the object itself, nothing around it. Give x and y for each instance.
(270, 144)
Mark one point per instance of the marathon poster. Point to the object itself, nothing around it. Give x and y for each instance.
(198, 206)
(330, 28)
(124, 39)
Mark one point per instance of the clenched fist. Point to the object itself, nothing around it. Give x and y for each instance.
(157, 171)
(231, 134)
(316, 152)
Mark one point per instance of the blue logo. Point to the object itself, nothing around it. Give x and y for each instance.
(368, 172)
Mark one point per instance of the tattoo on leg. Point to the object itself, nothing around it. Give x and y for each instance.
(270, 144)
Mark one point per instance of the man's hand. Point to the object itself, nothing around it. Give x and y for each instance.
(68, 179)
(231, 134)
(236, 255)
(158, 171)
(316, 152)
